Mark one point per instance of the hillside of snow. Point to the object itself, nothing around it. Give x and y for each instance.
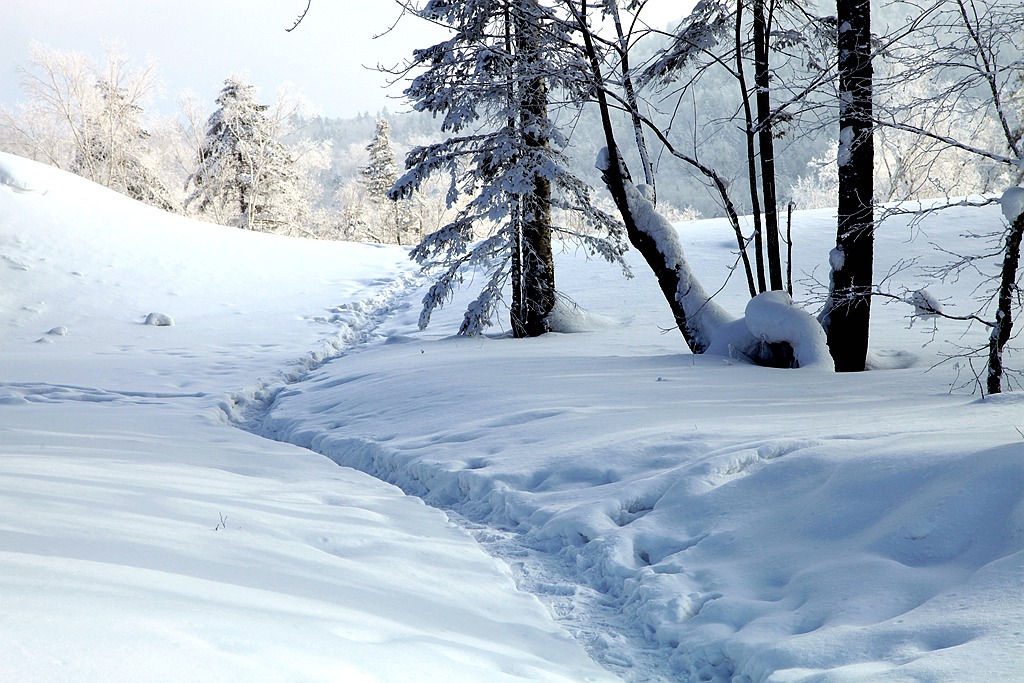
(238, 494)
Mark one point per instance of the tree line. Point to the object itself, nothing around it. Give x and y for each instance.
(249, 163)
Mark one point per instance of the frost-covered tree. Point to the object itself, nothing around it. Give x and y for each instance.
(245, 175)
(380, 174)
(973, 49)
(114, 146)
(490, 82)
(87, 117)
(772, 58)
(390, 219)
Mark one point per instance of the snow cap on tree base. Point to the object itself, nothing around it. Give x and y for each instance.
(773, 317)
(1012, 202)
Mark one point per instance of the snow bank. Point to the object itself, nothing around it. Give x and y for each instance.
(20, 175)
(145, 539)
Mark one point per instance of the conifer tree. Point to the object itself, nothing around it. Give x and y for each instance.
(245, 175)
(490, 82)
(381, 173)
(392, 218)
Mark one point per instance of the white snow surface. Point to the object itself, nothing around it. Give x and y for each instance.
(685, 518)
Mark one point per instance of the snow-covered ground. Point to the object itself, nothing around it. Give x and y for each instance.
(686, 518)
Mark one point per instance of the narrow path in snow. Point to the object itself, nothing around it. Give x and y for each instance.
(358, 323)
(591, 617)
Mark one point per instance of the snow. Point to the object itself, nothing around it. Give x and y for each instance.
(845, 146)
(773, 317)
(926, 306)
(685, 518)
(1012, 203)
(159, 320)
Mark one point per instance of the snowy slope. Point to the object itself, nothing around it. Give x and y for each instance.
(686, 518)
(142, 538)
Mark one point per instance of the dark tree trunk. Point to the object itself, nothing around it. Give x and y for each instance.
(848, 313)
(766, 144)
(755, 198)
(1004, 307)
(537, 286)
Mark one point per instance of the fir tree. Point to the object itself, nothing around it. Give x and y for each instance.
(245, 175)
(381, 173)
(489, 83)
(390, 217)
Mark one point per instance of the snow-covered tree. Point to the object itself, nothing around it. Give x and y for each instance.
(114, 148)
(380, 174)
(245, 175)
(390, 220)
(490, 82)
(772, 58)
(88, 118)
(848, 309)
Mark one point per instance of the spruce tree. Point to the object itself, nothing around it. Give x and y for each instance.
(391, 217)
(489, 83)
(245, 175)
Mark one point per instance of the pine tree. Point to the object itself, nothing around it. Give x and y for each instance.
(245, 175)
(380, 174)
(489, 82)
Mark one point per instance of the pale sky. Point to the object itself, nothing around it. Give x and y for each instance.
(199, 43)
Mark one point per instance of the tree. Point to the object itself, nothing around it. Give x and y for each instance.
(245, 175)
(784, 45)
(972, 48)
(391, 218)
(1013, 208)
(490, 83)
(847, 313)
(113, 149)
(87, 118)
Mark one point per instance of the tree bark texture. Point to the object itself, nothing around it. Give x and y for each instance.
(848, 312)
(1000, 334)
(766, 144)
(537, 270)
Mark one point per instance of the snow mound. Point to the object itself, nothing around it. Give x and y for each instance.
(1012, 202)
(569, 318)
(773, 317)
(159, 320)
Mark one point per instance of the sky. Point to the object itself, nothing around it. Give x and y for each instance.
(199, 43)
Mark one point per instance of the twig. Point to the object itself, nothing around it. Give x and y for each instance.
(301, 17)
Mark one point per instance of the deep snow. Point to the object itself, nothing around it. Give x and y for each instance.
(687, 518)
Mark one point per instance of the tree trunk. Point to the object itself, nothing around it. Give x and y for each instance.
(537, 286)
(751, 135)
(1000, 334)
(766, 144)
(848, 312)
